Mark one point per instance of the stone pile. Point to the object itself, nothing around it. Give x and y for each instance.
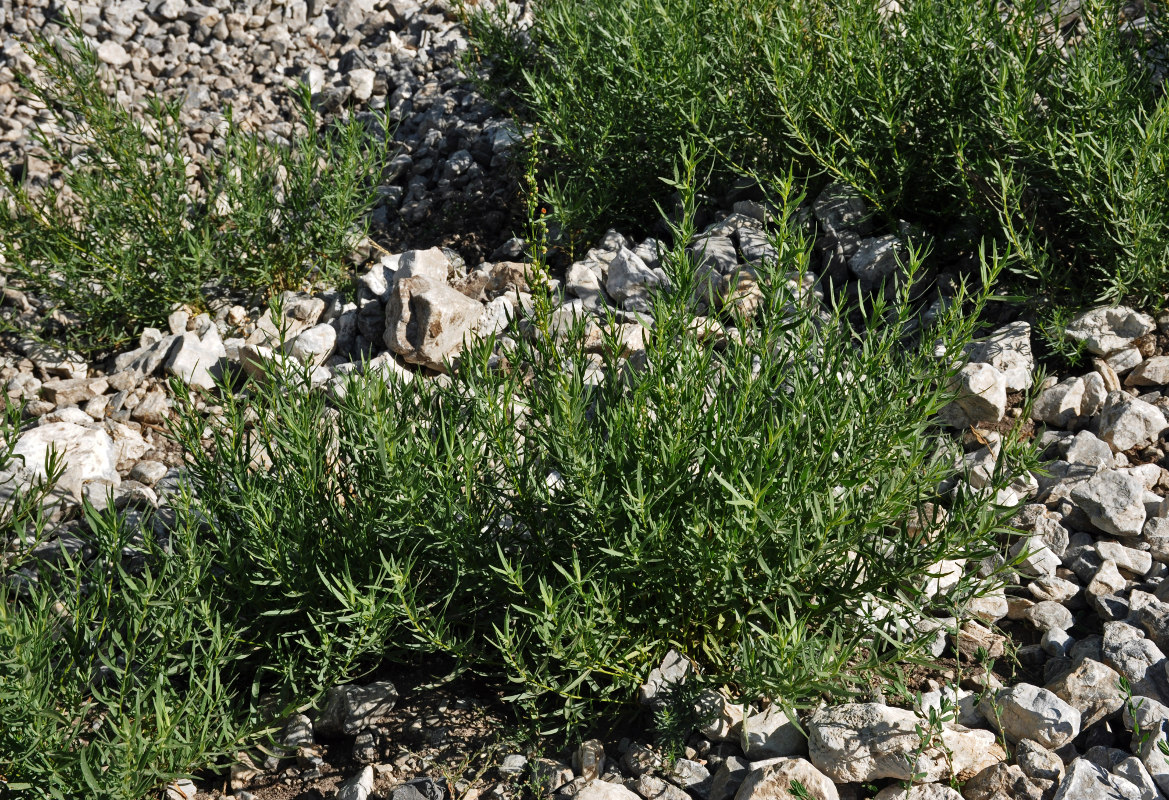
(449, 178)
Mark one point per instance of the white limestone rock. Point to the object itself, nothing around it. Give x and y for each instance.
(1113, 501)
(1104, 331)
(1008, 349)
(1025, 711)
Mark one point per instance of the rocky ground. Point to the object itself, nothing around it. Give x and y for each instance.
(1089, 608)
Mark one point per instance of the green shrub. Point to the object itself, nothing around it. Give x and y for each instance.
(115, 670)
(745, 504)
(936, 111)
(135, 226)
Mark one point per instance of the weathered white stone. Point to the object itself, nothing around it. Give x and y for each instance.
(361, 82)
(1136, 658)
(1070, 402)
(963, 703)
(588, 761)
(630, 278)
(426, 321)
(1127, 422)
(651, 787)
(773, 781)
(875, 260)
(112, 53)
(1087, 448)
(1105, 330)
(1039, 560)
(313, 346)
(1092, 688)
(860, 742)
(1151, 372)
(1008, 349)
(1113, 501)
(1133, 770)
(981, 396)
(770, 734)
(359, 787)
(1025, 711)
(350, 709)
(1053, 588)
(918, 791)
(603, 790)
(88, 455)
(723, 719)
(1123, 360)
(1131, 559)
(1087, 781)
(197, 362)
(1047, 615)
(1037, 761)
(671, 673)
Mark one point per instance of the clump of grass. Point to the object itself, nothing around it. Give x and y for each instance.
(1050, 130)
(746, 504)
(133, 225)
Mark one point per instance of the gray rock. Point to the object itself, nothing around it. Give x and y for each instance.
(588, 761)
(770, 734)
(145, 360)
(1126, 422)
(1148, 720)
(549, 775)
(1056, 589)
(1093, 689)
(1039, 561)
(1151, 372)
(426, 321)
(723, 719)
(89, 456)
(314, 345)
(197, 362)
(981, 396)
(1151, 614)
(359, 787)
(918, 791)
(631, 280)
(875, 260)
(1008, 349)
(1133, 770)
(603, 790)
(639, 760)
(1037, 761)
(728, 778)
(691, 776)
(148, 472)
(1086, 781)
(349, 709)
(1002, 781)
(1105, 330)
(1087, 448)
(1131, 559)
(860, 742)
(1113, 501)
(654, 788)
(774, 780)
(1070, 402)
(1025, 711)
(671, 673)
(513, 764)
(1135, 658)
(1047, 615)
(298, 732)
(72, 391)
